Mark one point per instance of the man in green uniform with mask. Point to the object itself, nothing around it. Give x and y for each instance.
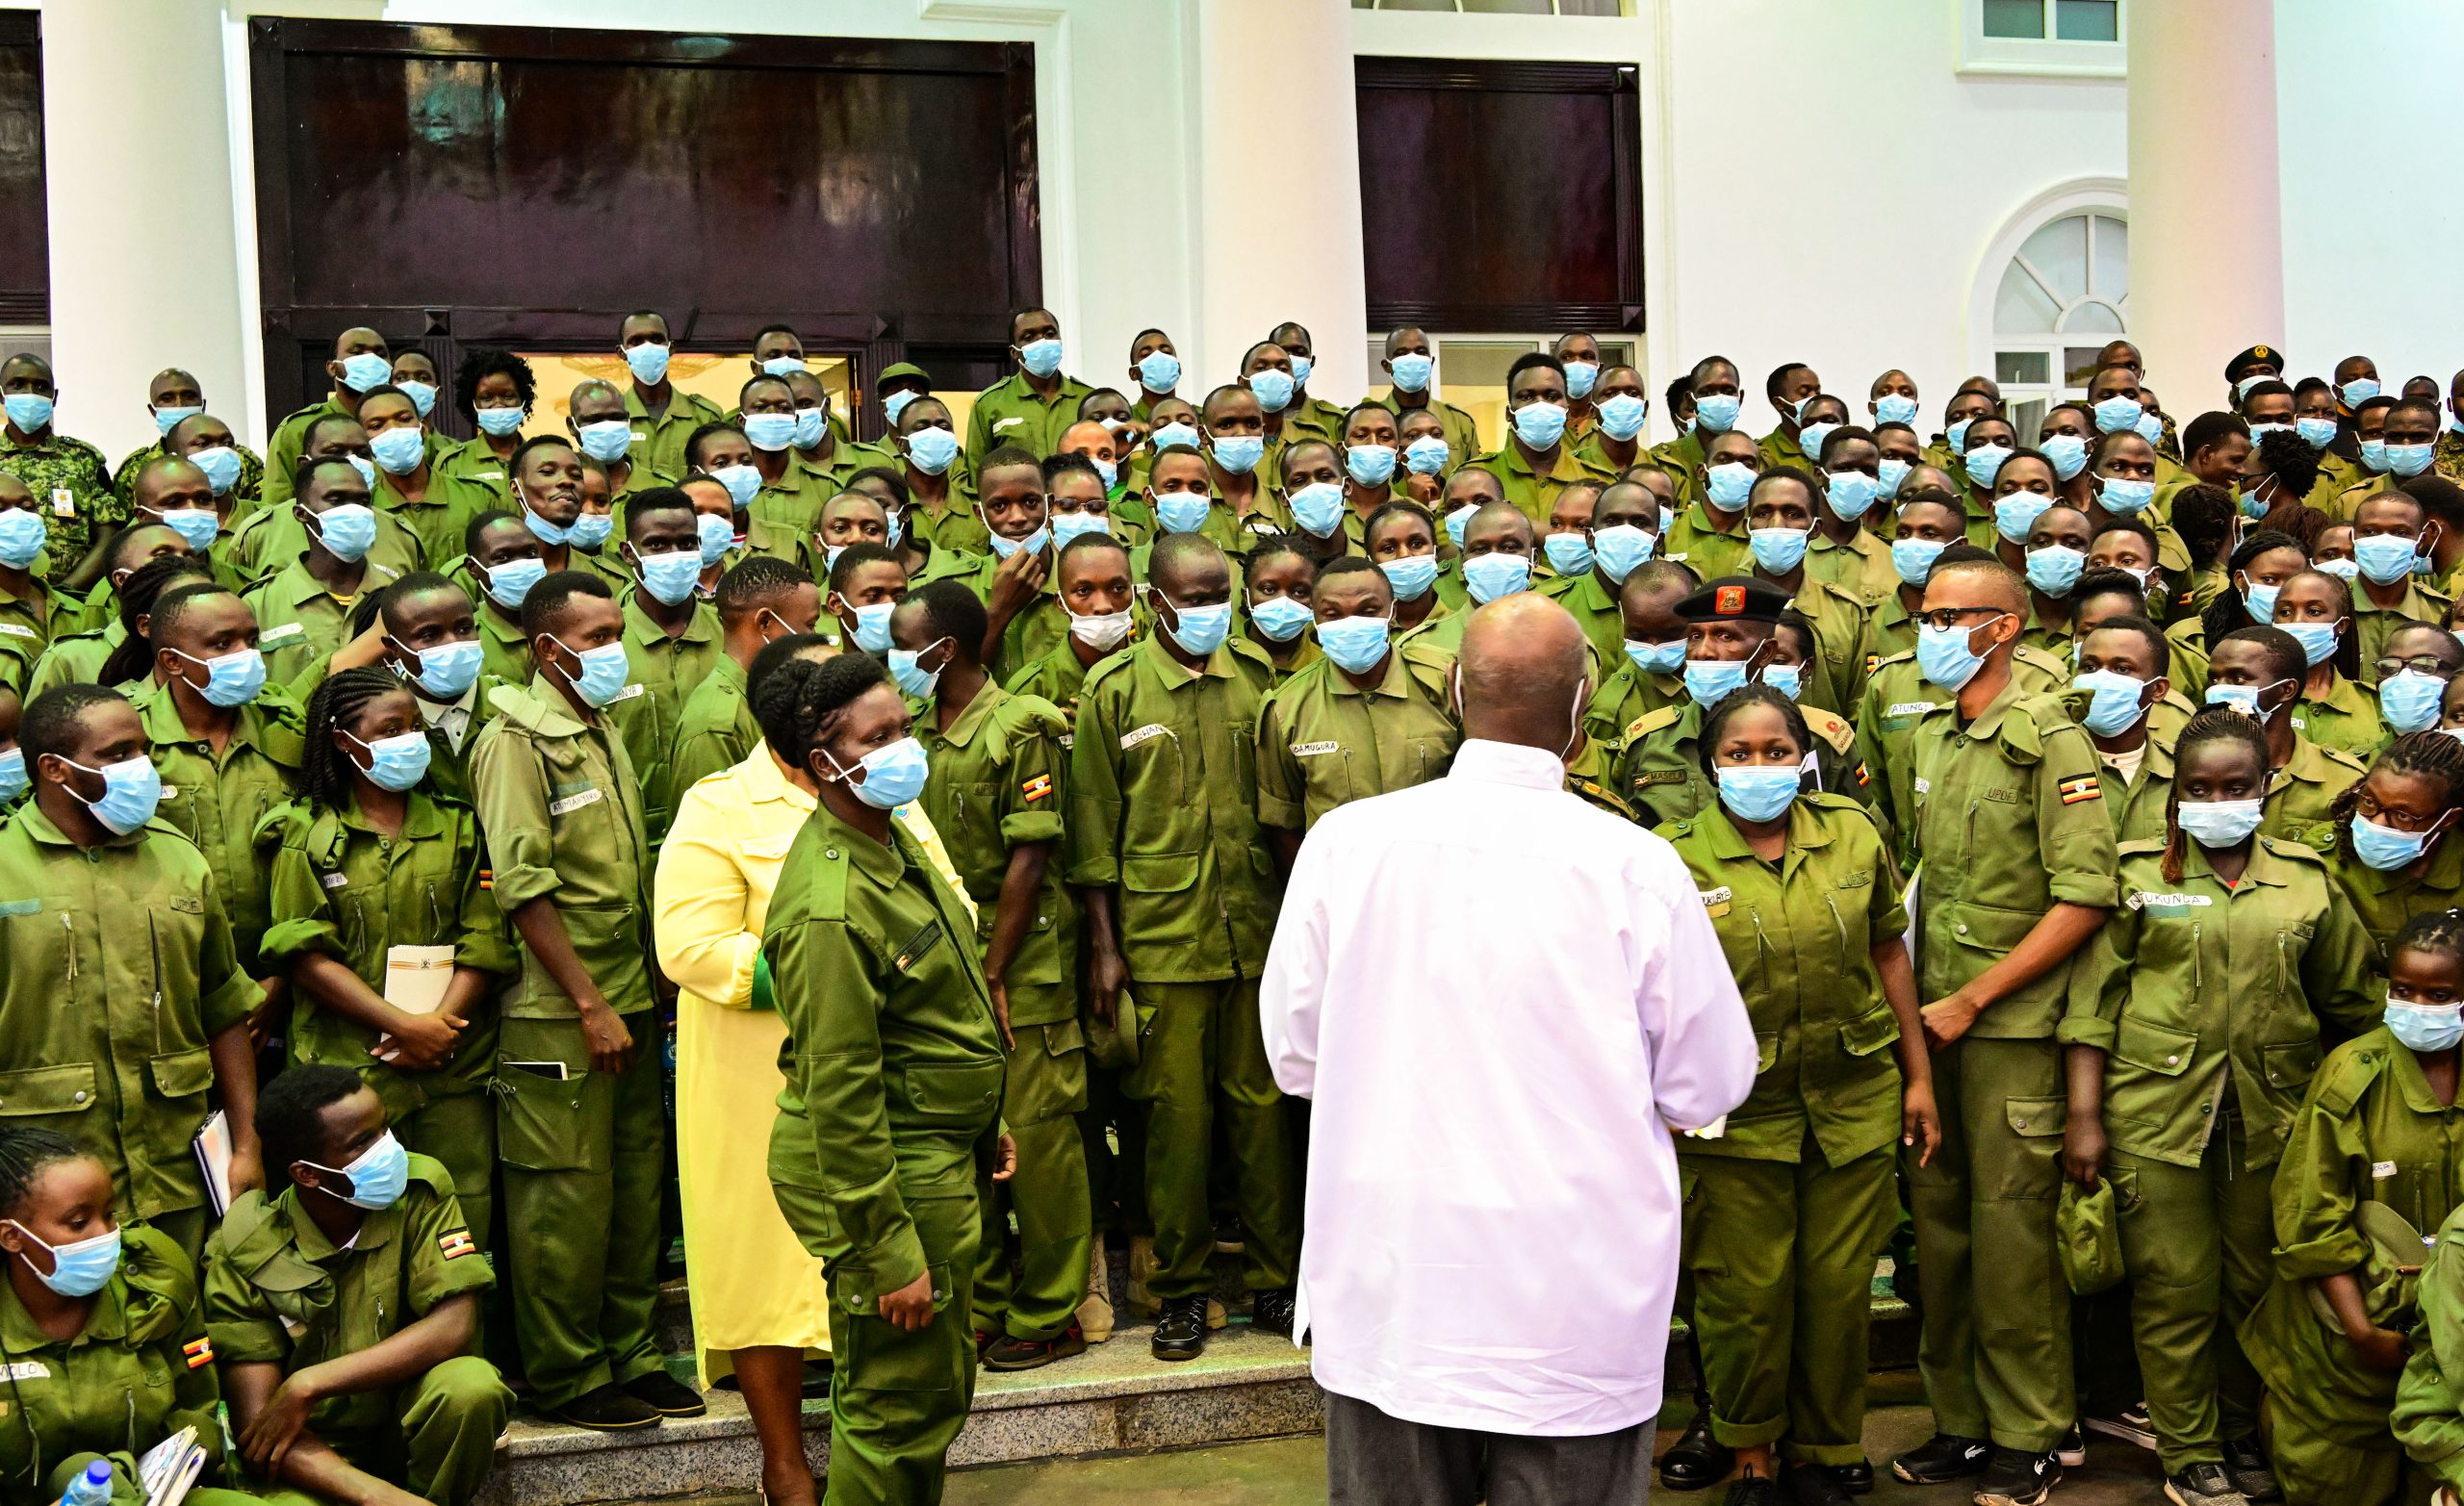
(1033, 405)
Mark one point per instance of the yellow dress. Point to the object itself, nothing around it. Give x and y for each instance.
(751, 1281)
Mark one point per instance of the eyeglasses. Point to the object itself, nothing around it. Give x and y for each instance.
(2418, 664)
(1948, 616)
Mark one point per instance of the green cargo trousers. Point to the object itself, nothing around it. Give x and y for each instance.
(1995, 1346)
(1201, 1055)
(1783, 1259)
(447, 1443)
(1047, 1090)
(582, 1161)
(2198, 1243)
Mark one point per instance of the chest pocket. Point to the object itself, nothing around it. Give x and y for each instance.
(975, 811)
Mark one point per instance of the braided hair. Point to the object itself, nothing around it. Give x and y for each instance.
(2429, 755)
(325, 770)
(2438, 933)
(144, 586)
(2216, 724)
(2227, 613)
(1716, 719)
(798, 702)
(26, 1152)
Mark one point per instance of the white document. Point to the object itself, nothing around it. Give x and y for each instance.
(416, 979)
(213, 1147)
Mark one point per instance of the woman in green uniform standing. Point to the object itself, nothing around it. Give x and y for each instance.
(894, 1064)
(2194, 1021)
(2335, 710)
(2374, 1162)
(370, 871)
(2396, 852)
(1785, 1208)
(102, 1336)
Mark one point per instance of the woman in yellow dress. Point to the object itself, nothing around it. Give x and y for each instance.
(760, 1304)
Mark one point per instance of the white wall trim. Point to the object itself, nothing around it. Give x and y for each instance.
(1980, 55)
(1984, 277)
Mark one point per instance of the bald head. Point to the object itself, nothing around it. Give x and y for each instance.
(1523, 672)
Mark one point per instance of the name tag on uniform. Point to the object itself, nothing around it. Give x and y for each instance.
(20, 906)
(2381, 1170)
(18, 630)
(26, 1370)
(2144, 900)
(170, 792)
(1144, 735)
(1716, 902)
(1066, 741)
(1924, 785)
(1909, 708)
(64, 502)
(487, 476)
(1313, 750)
(634, 692)
(1651, 777)
(282, 634)
(998, 424)
(572, 802)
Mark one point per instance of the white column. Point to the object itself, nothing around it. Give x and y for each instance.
(2206, 229)
(145, 274)
(1276, 177)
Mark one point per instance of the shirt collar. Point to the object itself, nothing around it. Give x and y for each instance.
(883, 865)
(1394, 683)
(433, 712)
(641, 630)
(1508, 763)
(971, 720)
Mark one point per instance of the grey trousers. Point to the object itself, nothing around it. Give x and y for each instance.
(1374, 1460)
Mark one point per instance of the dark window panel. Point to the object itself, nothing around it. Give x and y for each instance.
(25, 272)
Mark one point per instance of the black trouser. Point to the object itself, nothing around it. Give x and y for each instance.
(1376, 1459)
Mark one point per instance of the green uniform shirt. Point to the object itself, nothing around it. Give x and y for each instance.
(1058, 678)
(1835, 677)
(2206, 998)
(1659, 765)
(2009, 822)
(246, 492)
(2429, 1404)
(1593, 602)
(1594, 448)
(1800, 935)
(1041, 627)
(139, 1372)
(646, 713)
(2136, 806)
(27, 626)
(562, 811)
(1860, 568)
(273, 537)
(449, 767)
(440, 516)
(474, 462)
(2346, 719)
(1678, 458)
(76, 659)
(278, 1292)
(1897, 694)
(1163, 807)
(1534, 492)
(658, 445)
(300, 621)
(1623, 697)
(1462, 435)
(1696, 543)
(2302, 796)
(72, 489)
(999, 782)
(218, 802)
(953, 527)
(2376, 623)
(714, 728)
(1011, 411)
(344, 889)
(1323, 741)
(893, 1064)
(289, 441)
(2388, 902)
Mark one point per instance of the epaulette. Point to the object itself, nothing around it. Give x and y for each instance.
(1654, 721)
(1102, 670)
(1831, 728)
(2297, 852)
(2349, 1070)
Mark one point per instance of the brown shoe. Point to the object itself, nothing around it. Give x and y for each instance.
(1095, 1313)
(1028, 1354)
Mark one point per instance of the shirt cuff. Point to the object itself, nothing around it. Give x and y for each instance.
(2087, 1030)
(2093, 889)
(2334, 1254)
(515, 887)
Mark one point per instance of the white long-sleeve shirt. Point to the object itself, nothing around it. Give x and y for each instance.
(1501, 999)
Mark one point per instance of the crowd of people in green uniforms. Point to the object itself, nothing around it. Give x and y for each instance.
(2074, 808)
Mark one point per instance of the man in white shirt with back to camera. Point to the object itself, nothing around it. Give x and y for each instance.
(1493, 1212)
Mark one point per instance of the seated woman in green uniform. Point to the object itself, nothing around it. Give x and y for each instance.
(2335, 710)
(2396, 852)
(1785, 1210)
(2370, 1165)
(102, 1334)
(2194, 1020)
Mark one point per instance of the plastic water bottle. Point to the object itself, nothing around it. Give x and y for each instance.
(94, 1488)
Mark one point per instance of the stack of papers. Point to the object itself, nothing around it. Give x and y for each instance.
(172, 1466)
(213, 1148)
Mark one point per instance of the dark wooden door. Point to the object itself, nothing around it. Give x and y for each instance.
(25, 223)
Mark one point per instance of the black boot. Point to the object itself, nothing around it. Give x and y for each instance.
(1697, 1460)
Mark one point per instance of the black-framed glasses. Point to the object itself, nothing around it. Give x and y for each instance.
(1948, 616)
(2418, 664)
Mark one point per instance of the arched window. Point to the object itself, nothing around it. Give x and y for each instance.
(2055, 289)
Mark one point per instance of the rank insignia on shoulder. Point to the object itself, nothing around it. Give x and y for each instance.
(2082, 787)
(455, 1244)
(1037, 788)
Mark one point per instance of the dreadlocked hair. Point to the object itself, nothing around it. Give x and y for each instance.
(144, 586)
(1716, 719)
(2216, 724)
(2427, 756)
(2438, 933)
(25, 1154)
(799, 701)
(325, 770)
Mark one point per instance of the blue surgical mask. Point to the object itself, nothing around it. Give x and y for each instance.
(497, 422)
(1278, 618)
(1539, 425)
(2118, 413)
(2384, 848)
(367, 369)
(508, 584)
(2243, 699)
(221, 465)
(914, 680)
(1066, 526)
(1159, 371)
(2015, 514)
(1413, 372)
(367, 470)
(79, 1270)
(1656, 658)
(1893, 474)
(1956, 435)
(1319, 508)
(2345, 570)
(2408, 460)
(1786, 678)
(1618, 548)
(2069, 453)
(896, 403)
(1301, 367)
(231, 680)
(2258, 598)
(2385, 557)
(1369, 465)
(347, 531)
(2150, 427)
(1108, 470)
(398, 450)
(15, 780)
(1914, 558)
(545, 532)
(448, 670)
(1569, 553)
(605, 669)
(1851, 493)
(2114, 705)
(1032, 544)
(1183, 512)
(1727, 483)
(1271, 387)
(1168, 435)
(1985, 462)
(871, 629)
(1354, 643)
(2125, 498)
(1778, 550)
(422, 396)
(590, 530)
(1894, 408)
(166, 419)
(1709, 681)
(895, 775)
(2055, 569)
(1426, 455)
(2417, 1026)
(1622, 415)
(812, 424)
(1579, 375)
(396, 763)
(1759, 794)
(608, 440)
(29, 412)
(715, 535)
(2318, 640)
(2374, 453)
(741, 482)
(2319, 432)
(1459, 521)
(1943, 655)
(770, 431)
(1198, 629)
(1811, 439)
(1716, 412)
(2360, 390)
(1041, 357)
(931, 448)
(2219, 822)
(673, 577)
(23, 535)
(131, 790)
(2408, 701)
(1492, 577)
(2260, 431)
(1238, 455)
(781, 365)
(1411, 576)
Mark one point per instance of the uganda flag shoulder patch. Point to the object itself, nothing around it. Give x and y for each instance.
(487, 879)
(2082, 787)
(456, 1244)
(1037, 788)
(198, 1351)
